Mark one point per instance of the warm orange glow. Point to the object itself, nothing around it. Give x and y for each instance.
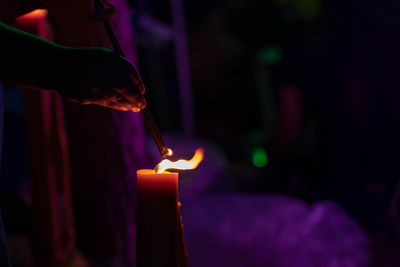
(169, 153)
(38, 13)
(181, 164)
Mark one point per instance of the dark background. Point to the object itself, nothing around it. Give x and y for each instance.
(313, 84)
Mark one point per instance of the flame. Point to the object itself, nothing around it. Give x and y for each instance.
(181, 164)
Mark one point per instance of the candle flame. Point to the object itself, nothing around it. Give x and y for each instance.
(181, 164)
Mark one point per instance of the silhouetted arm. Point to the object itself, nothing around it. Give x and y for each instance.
(84, 75)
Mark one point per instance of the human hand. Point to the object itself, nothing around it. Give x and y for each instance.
(98, 76)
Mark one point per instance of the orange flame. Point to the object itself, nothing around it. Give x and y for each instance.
(181, 164)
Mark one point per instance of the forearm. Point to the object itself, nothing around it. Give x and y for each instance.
(26, 60)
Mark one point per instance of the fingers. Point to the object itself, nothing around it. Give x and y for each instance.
(136, 100)
(138, 82)
(106, 103)
(115, 106)
(129, 85)
(122, 101)
(117, 102)
(110, 81)
(112, 100)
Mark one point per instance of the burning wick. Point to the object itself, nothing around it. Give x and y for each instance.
(181, 164)
(169, 153)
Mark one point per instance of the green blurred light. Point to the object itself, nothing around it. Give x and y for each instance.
(260, 158)
(271, 55)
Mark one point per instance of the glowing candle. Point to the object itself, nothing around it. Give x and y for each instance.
(157, 218)
(159, 239)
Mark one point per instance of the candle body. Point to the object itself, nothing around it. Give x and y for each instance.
(156, 236)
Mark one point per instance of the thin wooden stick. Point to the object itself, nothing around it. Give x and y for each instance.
(101, 15)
